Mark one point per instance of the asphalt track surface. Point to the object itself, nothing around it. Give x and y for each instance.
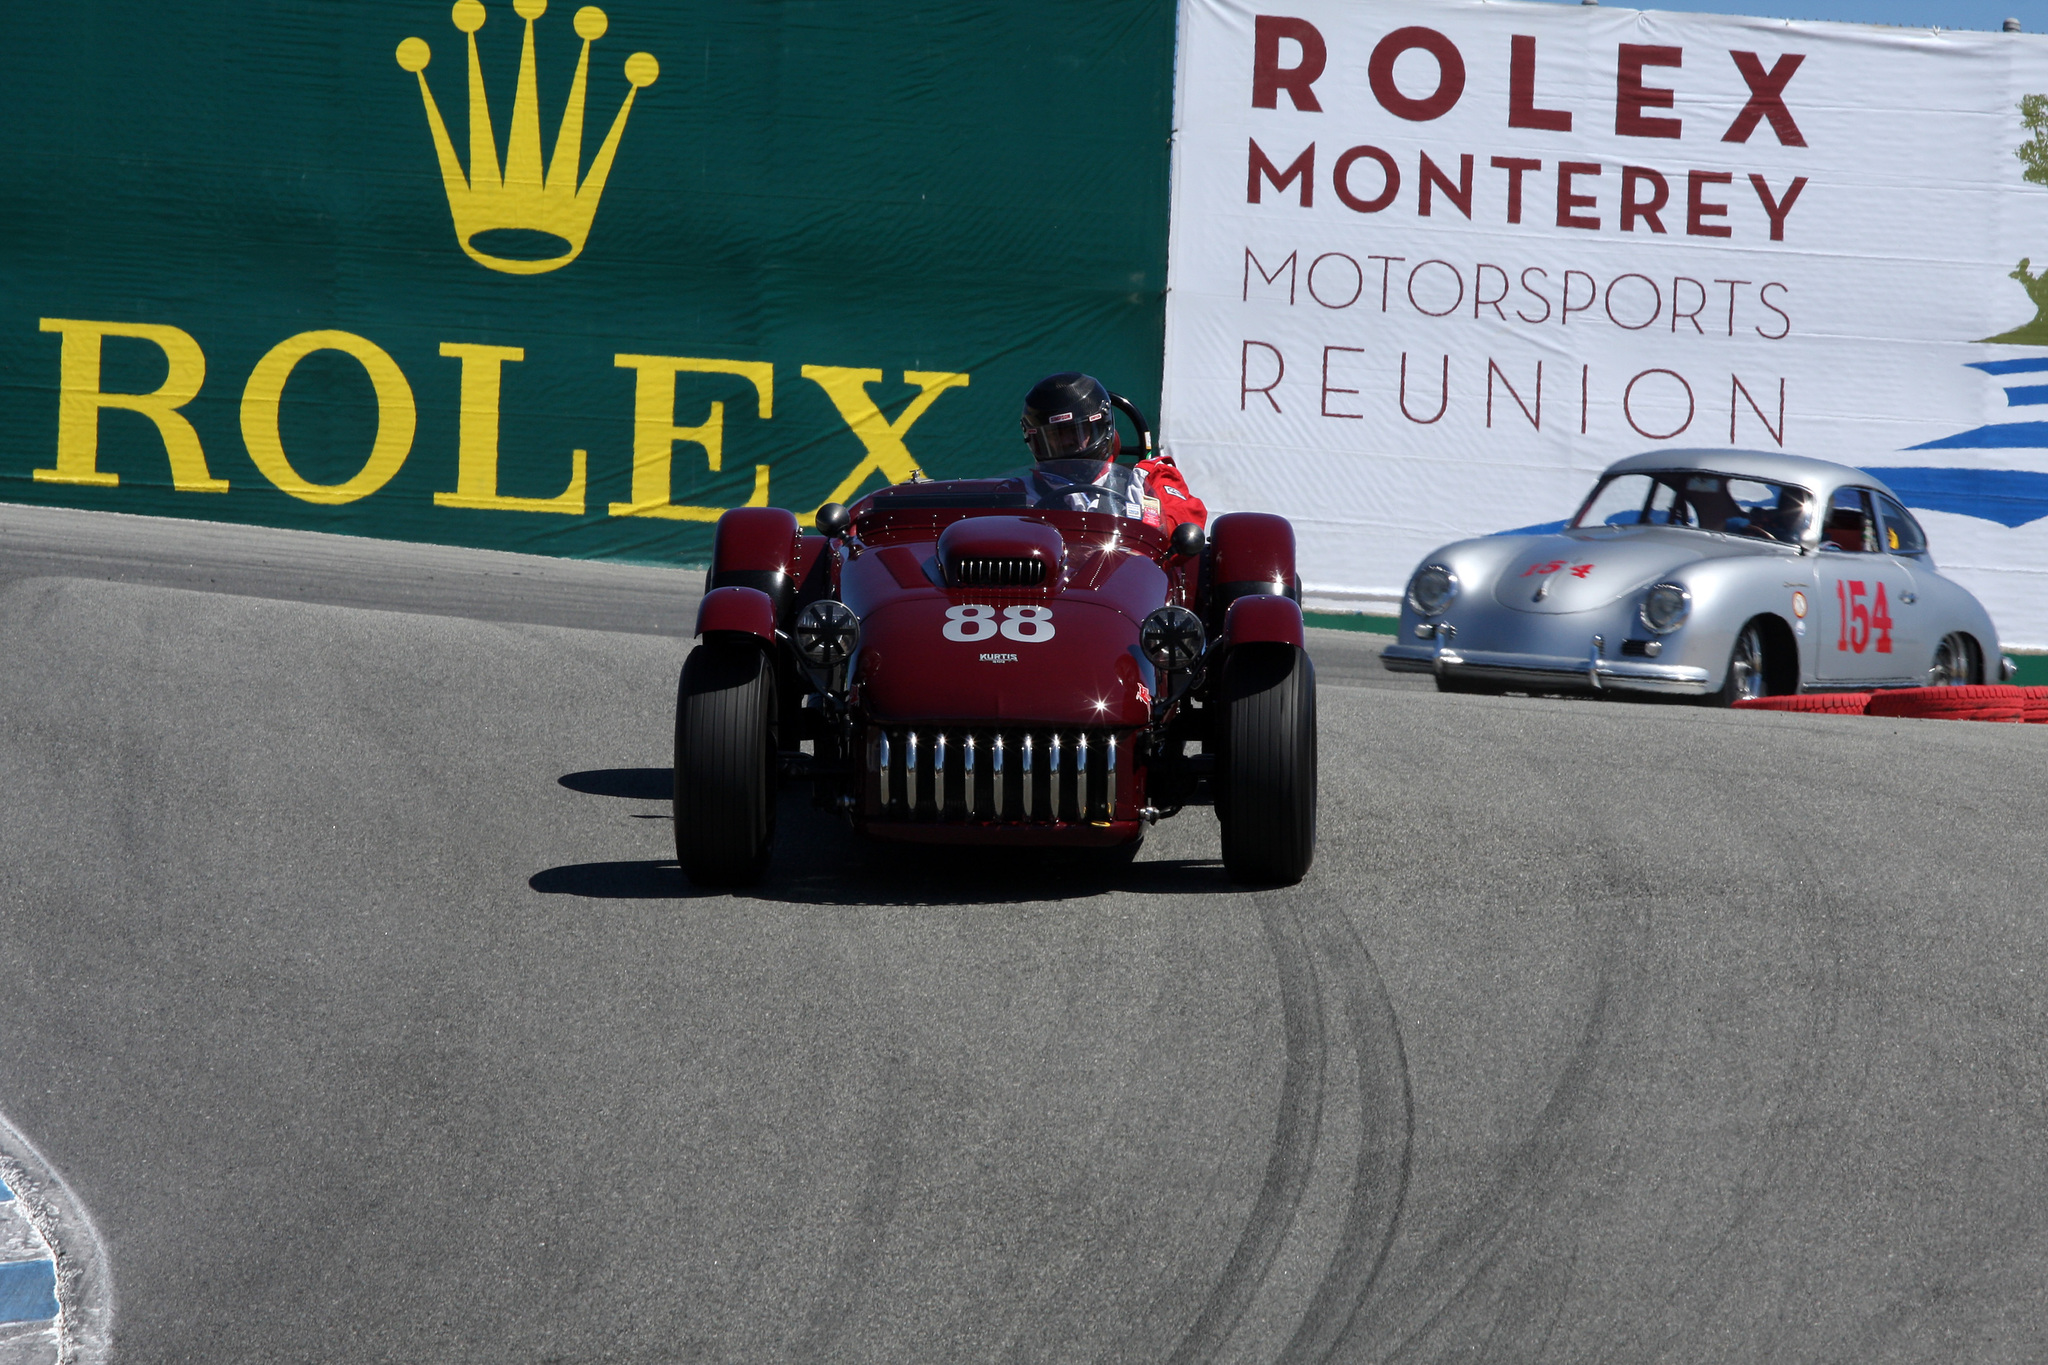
(349, 982)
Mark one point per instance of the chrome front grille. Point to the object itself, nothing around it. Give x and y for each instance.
(1039, 775)
(989, 571)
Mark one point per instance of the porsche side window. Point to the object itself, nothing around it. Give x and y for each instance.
(1902, 534)
(1850, 525)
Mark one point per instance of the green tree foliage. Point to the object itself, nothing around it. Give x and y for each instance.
(2034, 151)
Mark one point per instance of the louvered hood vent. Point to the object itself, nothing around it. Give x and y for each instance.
(989, 571)
(1001, 552)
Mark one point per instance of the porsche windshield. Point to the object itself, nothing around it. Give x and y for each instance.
(1702, 502)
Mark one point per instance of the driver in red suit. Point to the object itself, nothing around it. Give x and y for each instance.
(1070, 424)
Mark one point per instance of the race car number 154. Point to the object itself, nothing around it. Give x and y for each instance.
(977, 621)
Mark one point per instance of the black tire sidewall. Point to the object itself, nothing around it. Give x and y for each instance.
(724, 800)
(1266, 769)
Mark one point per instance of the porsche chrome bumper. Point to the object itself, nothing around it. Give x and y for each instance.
(1544, 672)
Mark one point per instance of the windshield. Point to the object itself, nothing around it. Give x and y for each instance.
(1702, 502)
(1093, 485)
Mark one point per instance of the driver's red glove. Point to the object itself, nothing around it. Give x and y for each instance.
(1164, 483)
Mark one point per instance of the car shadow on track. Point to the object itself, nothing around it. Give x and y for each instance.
(639, 784)
(819, 860)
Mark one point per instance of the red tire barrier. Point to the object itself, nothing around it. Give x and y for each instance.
(1823, 703)
(1995, 702)
(2035, 702)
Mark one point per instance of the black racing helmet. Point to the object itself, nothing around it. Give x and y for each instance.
(1068, 417)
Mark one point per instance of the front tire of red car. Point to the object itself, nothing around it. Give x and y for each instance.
(1266, 772)
(725, 763)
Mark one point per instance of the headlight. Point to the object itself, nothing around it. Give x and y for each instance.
(826, 633)
(1432, 589)
(1172, 638)
(1665, 607)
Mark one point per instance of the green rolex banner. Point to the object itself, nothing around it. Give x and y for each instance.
(562, 280)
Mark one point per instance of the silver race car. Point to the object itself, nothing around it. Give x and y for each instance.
(1724, 574)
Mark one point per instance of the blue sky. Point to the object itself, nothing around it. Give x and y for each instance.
(1975, 14)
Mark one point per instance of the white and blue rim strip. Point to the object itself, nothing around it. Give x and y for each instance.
(28, 1269)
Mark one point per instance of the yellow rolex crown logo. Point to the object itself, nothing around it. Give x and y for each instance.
(485, 201)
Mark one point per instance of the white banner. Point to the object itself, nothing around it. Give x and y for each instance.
(1434, 264)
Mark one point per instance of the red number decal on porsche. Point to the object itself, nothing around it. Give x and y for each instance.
(1549, 567)
(1581, 570)
(1856, 622)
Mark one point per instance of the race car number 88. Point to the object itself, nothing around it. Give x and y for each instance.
(977, 621)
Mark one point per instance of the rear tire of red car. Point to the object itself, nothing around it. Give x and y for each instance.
(1266, 771)
(725, 763)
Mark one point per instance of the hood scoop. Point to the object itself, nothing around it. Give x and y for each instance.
(1001, 553)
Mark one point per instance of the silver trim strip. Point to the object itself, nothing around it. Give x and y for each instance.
(910, 771)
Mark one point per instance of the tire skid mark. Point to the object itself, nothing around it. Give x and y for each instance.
(1297, 1131)
(1490, 1249)
(1379, 1181)
(85, 1290)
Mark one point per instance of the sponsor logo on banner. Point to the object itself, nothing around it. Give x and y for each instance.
(549, 214)
(1435, 265)
(375, 349)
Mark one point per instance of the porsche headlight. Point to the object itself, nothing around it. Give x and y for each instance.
(1432, 589)
(826, 633)
(1665, 607)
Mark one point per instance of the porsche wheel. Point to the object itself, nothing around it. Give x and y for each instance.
(1748, 674)
(1266, 772)
(725, 763)
(1955, 663)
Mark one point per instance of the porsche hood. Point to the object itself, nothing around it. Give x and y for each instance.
(1557, 574)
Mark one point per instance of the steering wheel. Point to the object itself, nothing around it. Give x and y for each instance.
(1130, 410)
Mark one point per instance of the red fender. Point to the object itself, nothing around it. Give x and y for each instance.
(743, 611)
(1250, 554)
(756, 547)
(1264, 620)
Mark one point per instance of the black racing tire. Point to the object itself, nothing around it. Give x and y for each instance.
(1266, 770)
(725, 763)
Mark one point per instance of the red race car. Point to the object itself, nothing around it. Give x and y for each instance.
(976, 661)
